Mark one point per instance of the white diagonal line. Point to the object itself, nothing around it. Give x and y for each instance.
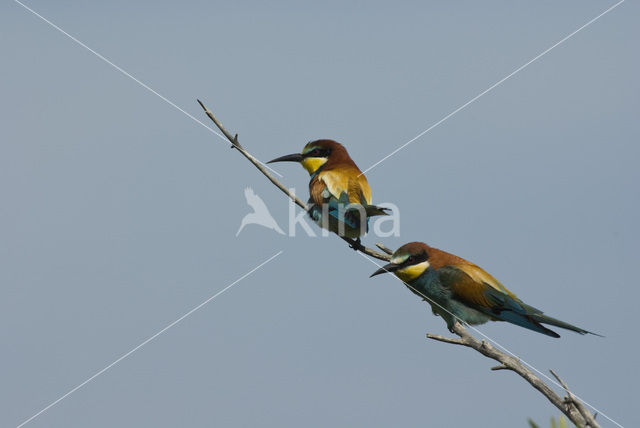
(514, 72)
(149, 340)
(121, 70)
(489, 339)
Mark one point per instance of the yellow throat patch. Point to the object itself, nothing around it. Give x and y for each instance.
(412, 272)
(312, 164)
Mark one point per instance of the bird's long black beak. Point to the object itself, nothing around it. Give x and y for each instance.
(386, 269)
(296, 157)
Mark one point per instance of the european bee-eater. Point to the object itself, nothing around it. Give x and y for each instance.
(337, 188)
(458, 289)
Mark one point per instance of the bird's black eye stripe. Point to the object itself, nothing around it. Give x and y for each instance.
(415, 259)
(318, 153)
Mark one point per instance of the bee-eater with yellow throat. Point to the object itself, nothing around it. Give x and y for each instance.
(459, 290)
(340, 196)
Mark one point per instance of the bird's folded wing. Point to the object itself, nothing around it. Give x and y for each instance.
(479, 290)
(345, 179)
(476, 288)
(359, 190)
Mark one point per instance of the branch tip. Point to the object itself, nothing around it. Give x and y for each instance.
(384, 248)
(451, 340)
(501, 367)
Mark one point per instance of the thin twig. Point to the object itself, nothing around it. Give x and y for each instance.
(572, 408)
(233, 139)
(500, 367)
(384, 248)
(586, 414)
(445, 339)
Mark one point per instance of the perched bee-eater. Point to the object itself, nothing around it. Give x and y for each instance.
(340, 196)
(460, 290)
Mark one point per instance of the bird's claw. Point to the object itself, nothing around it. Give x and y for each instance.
(356, 245)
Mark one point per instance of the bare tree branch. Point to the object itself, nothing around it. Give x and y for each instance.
(356, 245)
(573, 408)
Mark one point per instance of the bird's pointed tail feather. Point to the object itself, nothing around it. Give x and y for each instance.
(374, 210)
(545, 319)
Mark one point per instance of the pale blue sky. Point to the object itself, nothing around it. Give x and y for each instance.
(119, 213)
